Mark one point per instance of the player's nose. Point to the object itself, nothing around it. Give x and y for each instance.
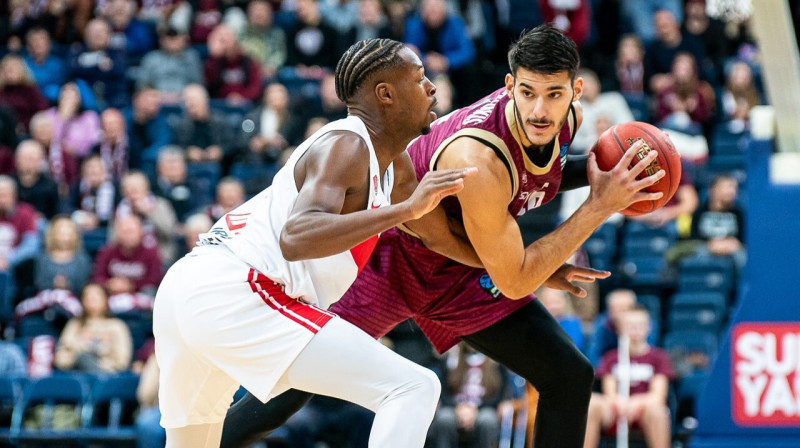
(430, 87)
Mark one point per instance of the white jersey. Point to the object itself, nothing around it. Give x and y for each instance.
(252, 230)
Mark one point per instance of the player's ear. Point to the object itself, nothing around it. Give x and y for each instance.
(577, 89)
(385, 93)
(510, 85)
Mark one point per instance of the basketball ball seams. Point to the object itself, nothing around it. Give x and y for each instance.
(640, 206)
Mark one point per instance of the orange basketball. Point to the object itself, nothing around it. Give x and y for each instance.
(613, 143)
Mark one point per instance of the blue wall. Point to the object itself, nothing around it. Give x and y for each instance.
(770, 294)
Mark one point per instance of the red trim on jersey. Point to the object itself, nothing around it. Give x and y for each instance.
(361, 252)
(309, 316)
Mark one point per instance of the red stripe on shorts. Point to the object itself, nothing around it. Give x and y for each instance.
(309, 316)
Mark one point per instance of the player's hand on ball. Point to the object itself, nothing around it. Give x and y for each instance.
(616, 189)
(564, 278)
(434, 187)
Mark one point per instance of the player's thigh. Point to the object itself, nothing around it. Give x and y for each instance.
(356, 368)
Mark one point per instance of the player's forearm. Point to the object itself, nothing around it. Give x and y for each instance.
(544, 256)
(319, 234)
(455, 248)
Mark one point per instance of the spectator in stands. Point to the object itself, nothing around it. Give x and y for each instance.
(113, 146)
(327, 104)
(595, 104)
(311, 44)
(64, 264)
(441, 39)
(12, 361)
(34, 185)
(49, 70)
(270, 128)
(150, 434)
(342, 15)
(474, 386)
(128, 34)
(62, 166)
(101, 66)
(371, 24)
(66, 19)
(650, 374)
(172, 67)
(92, 201)
(573, 18)
(396, 12)
(711, 32)
(261, 41)
(719, 222)
(126, 265)
(685, 104)
(207, 16)
(195, 225)
(738, 96)
(147, 129)
(639, 16)
(661, 52)
(95, 342)
(629, 68)
(19, 92)
(172, 183)
(201, 131)
(558, 304)
(229, 73)
(75, 126)
(607, 325)
(230, 194)
(156, 214)
(76, 130)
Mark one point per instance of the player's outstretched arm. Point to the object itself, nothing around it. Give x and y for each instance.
(336, 167)
(438, 232)
(516, 270)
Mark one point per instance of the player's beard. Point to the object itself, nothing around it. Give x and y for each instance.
(426, 130)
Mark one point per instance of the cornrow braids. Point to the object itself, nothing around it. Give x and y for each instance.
(361, 60)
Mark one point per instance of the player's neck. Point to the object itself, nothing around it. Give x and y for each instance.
(386, 140)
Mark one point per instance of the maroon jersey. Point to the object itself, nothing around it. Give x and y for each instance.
(492, 121)
(404, 279)
(643, 368)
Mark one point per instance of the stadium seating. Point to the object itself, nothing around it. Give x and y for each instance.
(697, 311)
(707, 274)
(108, 415)
(49, 392)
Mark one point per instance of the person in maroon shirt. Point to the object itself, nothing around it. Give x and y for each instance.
(19, 92)
(229, 73)
(650, 373)
(126, 266)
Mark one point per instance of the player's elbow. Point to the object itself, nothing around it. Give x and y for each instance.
(290, 250)
(513, 289)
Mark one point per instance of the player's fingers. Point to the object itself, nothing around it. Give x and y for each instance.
(642, 164)
(626, 159)
(589, 272)
(644, 196)
(649, 180)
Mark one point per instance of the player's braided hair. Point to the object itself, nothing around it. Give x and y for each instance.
(545, 50)
(361, 60)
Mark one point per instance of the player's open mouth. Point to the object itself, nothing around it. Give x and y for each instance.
(539, 126)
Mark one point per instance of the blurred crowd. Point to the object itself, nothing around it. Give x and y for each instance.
(127, 127)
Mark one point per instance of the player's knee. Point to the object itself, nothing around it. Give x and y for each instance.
(425, 387)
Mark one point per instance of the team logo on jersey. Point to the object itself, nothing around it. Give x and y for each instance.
(236, 221)
(488, 285)
(375, 183)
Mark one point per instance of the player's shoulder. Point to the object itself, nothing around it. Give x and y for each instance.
(465, 152)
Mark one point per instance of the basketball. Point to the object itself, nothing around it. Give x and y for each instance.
(612, 144)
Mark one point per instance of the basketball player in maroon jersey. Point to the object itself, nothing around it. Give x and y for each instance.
(519, 138)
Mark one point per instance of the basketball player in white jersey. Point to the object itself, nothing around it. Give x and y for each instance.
(247, 306)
